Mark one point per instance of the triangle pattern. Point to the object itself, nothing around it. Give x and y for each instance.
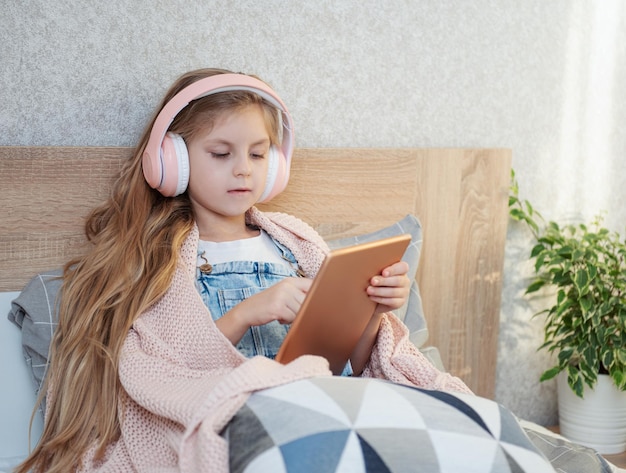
(346, 392)
(372, 461)
(399, 449)
(305, 393)
(507, 460)
(352, 457)
(512, 433)
(468, 450)
(441, 412)
(395, 412)
(490, 413)
(269, 460)
(331, 424)
(286, 422)
(248, 422)
(319, 453)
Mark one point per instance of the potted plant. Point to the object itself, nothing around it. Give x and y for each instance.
(585, 327)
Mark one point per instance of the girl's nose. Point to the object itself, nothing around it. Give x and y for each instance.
(242, 166)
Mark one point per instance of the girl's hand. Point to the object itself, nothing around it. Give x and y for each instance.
(279, 302)
(391, 288)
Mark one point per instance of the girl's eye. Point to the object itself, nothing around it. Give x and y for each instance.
(258, 156)
(219, 155)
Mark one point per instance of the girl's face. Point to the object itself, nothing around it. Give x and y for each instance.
(228, 167)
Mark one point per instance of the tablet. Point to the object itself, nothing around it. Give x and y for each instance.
(336, 310)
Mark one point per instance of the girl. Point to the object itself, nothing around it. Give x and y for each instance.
(143, 376)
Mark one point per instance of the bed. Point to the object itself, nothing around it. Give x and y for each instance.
(455, 202)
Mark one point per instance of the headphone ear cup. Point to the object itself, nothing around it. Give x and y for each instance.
(277, 175)
(175, 159)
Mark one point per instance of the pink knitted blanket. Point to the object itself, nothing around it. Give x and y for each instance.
(184, 380)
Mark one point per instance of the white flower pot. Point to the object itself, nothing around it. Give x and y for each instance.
(598, 420)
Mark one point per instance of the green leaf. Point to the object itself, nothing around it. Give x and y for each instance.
(619, 378)
(537, 249)
(517, 214)
(581, 281)
(589, 363)
(535, 286)
(575, 381)
(549, 374)
(586, 304)
(564, 355)
(553, 226)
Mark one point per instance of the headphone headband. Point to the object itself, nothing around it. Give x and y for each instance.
(208, 86)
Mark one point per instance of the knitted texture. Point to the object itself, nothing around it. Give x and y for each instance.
(395, 358)
(184, 380)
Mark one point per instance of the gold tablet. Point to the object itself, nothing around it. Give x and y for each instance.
(337, 309)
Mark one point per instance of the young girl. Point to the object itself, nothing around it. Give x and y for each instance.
(143, 377)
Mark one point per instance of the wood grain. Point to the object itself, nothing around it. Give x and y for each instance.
(459, 195)
(463, 206)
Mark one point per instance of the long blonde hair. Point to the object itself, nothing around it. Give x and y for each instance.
(135, 238)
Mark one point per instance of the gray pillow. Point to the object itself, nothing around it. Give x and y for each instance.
(35, 311)
(565, 455)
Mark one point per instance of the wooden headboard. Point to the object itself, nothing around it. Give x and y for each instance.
(459, 195)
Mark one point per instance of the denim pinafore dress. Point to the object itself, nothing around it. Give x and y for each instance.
(224, 285)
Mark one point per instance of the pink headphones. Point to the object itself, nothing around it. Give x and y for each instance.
(165, 160)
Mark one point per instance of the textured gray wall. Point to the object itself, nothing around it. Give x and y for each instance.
(543, 78)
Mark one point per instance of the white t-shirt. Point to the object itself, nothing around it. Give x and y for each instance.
(259, 248)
